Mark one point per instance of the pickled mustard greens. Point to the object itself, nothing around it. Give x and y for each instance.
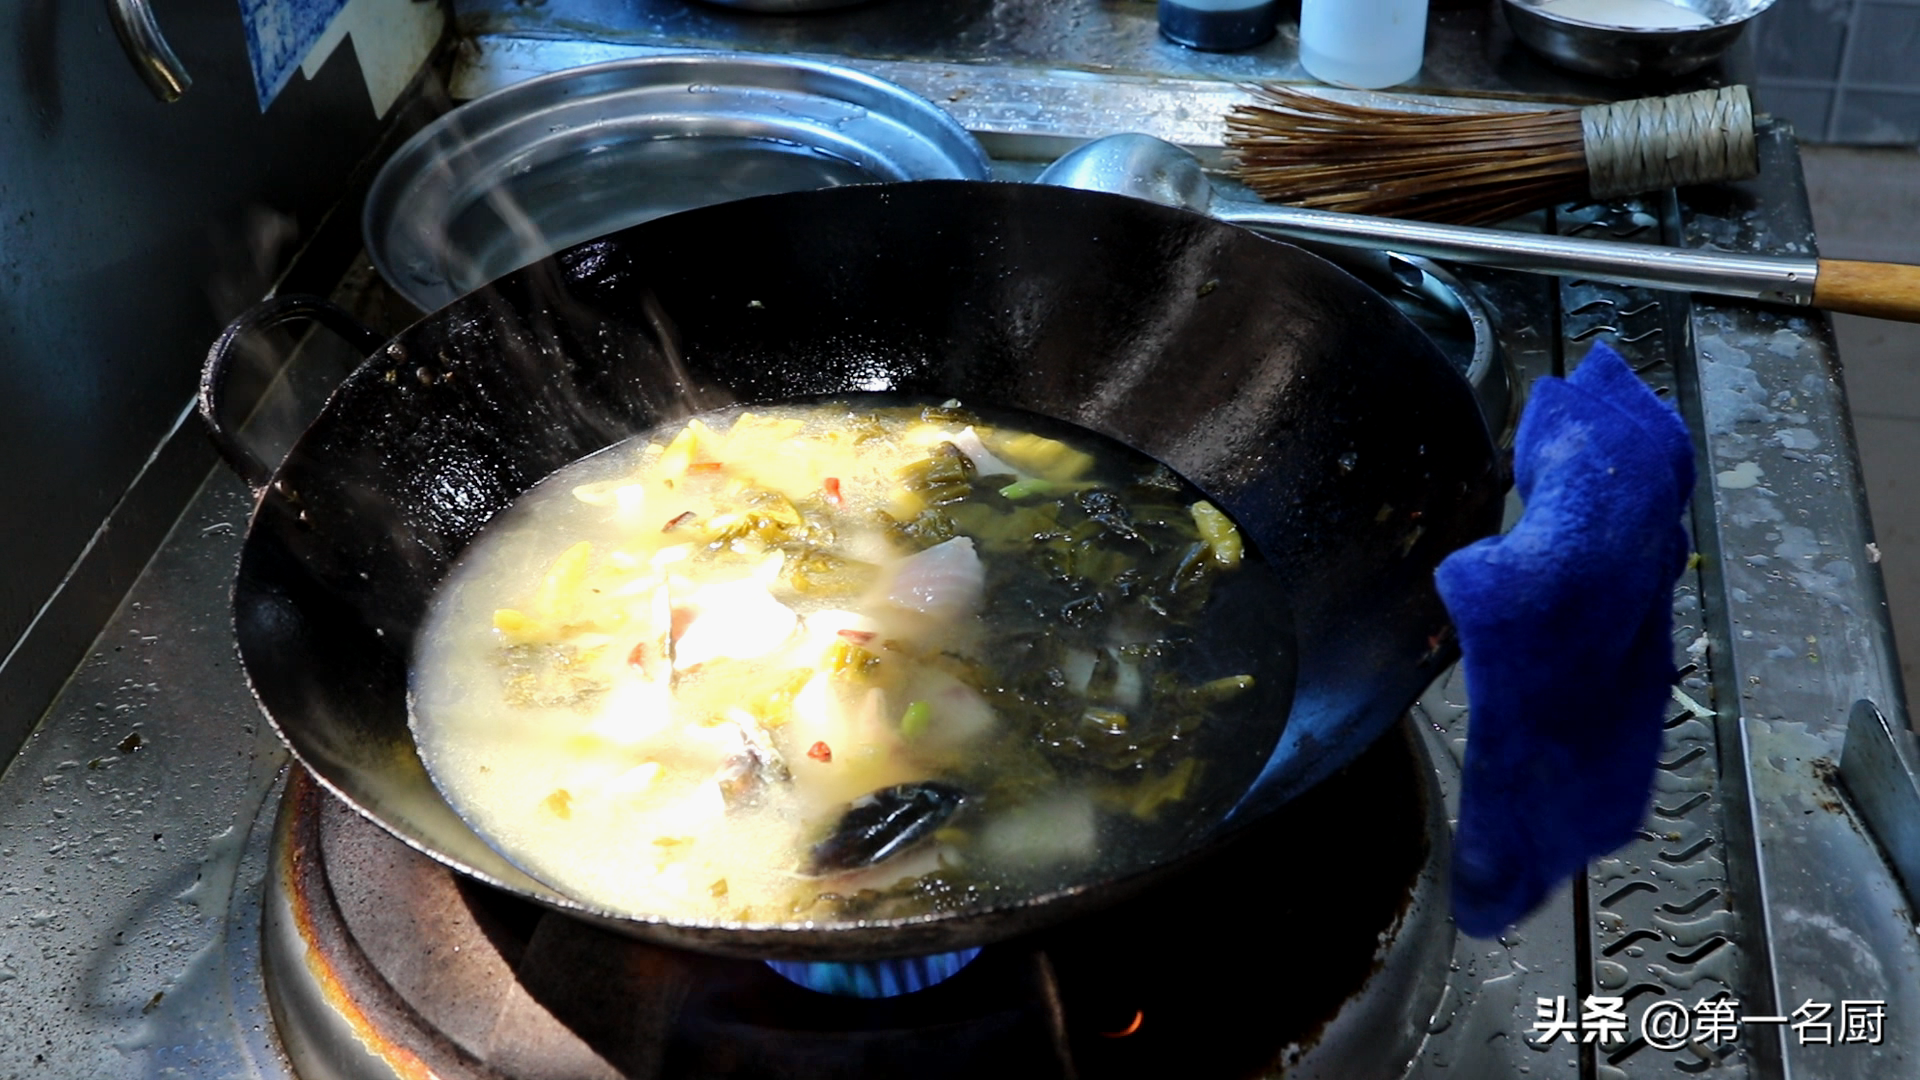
(823, 662)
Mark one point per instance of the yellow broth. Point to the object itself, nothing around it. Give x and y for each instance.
(659, 680)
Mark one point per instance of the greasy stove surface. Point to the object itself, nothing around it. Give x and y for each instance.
(474, 983)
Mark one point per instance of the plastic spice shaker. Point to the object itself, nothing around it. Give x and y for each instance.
(1362, 43)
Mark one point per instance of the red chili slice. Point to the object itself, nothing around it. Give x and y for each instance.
(705, 467)
(858, 637)
(638, 657)
(820, 751)
(677, 522)
(832, 486)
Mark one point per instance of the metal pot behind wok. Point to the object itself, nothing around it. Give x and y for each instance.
(1347, 448)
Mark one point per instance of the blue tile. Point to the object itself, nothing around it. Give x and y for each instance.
(1886, 46)
(1800, 40)
(1877, 119)
(1804, 107)
(279, 34)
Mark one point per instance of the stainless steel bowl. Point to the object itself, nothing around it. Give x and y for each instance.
(1625, 52)
(544, 164)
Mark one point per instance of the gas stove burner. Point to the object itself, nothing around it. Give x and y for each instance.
(382, 963)
(879, 979)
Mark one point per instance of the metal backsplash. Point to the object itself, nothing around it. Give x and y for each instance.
(130, 231)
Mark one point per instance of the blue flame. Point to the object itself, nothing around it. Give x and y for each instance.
(878, 978)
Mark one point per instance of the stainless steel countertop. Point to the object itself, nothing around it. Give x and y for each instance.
(1470, 49)
(129, 873)
(1804, 633)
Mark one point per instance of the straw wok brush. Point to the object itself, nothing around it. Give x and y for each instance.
(1474, 167)
(1148, 168)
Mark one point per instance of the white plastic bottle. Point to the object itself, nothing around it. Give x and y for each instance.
(1363, 43)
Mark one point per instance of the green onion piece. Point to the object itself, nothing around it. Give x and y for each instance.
(1025, 489)
(913, 722)
(1222, 689)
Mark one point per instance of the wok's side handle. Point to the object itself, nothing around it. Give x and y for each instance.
(264, 316)
(148, 50)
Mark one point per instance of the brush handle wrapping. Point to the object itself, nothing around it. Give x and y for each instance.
(1705, 137)
(1879, 290)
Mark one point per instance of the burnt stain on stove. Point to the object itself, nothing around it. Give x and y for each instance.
(337, 971)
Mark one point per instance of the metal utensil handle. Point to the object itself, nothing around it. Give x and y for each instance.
(1761, 277)
(1875, 289)
(152, 57)
(266, 315)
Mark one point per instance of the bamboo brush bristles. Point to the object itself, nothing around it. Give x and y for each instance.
(1465, 168)
(1476, 167)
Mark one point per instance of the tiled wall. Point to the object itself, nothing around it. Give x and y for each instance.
(1844, 71)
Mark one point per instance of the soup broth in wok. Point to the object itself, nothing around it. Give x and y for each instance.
(858, 659)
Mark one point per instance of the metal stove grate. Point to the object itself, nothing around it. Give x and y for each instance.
(1658, 912)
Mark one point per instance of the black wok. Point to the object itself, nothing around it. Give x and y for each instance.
(1350, 452)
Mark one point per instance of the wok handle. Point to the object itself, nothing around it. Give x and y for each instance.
(147, 49)
(267, 315)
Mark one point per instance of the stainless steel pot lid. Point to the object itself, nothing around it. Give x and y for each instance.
(544, 164)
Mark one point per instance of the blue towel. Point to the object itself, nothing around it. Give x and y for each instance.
(1566, 625)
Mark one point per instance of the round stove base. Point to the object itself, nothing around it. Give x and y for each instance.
(381, 963)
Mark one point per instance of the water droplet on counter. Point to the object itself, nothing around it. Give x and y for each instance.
(1609, 975)
(1488, 1026)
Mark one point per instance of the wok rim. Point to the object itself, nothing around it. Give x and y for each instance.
(803, 934)
(852, 940)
